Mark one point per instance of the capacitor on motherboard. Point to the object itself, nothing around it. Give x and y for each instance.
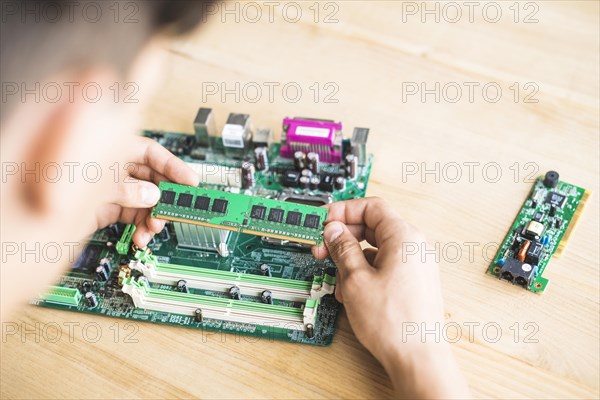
(262, 158)
(101, 273)
(266, 297)
(351, 164)
(340, 183)
(314, 182)
(198, 315)
(313, 162)
(306, 172)
(182, 286)
(235, 293)
(303, 182)
(248, 179)
(91, 300)
(523, 250)
(299, 160)
(265, 269)
(310, 330)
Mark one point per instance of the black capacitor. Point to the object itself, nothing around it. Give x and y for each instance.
(235, 293)
(304, 182)
(266, 297)
(182, 286)
(551, 179)
(314, 182)
(198, 315)
(306, 172)
(552, 211)
(340, 183)
(262, 158)
(299, 160)
(313, 162)
(101, 273)
(557, 223)
(91, 300)
(351, 166)
(265, 269)
(86, 287)
(310, 331)
(248, 178)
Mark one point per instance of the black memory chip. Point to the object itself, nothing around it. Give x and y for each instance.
(184, 200)
(276, 215)
(556, 199)
(201, 203)
(258, 212)
(220, 206)
(167, 197)
(312, 221)
(293, 218)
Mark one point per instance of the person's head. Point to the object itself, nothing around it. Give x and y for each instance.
(74, 76)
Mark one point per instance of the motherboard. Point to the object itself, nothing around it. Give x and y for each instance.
(235, 255)
(541, 230)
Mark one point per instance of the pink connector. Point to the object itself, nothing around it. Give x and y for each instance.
(313, 136)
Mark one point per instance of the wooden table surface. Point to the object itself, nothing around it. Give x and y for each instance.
(364, 66)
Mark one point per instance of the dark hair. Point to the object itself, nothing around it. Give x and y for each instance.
(39, 38)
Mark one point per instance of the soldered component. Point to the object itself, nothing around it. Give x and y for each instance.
(304, 182)
(248, 178)
(534, 230)
(523, 250)
(182, 286)
(551, 179)
(351, 166)
(91, 300)
(198, 315)
(262, 158)
(517, 272)
(313, 162)
(235, 293)
(340, 183)
(204, 126)
(265, 269)
(314, 182)
(299, 160)
(266, 297)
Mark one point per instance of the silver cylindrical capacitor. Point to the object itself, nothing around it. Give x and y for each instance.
(304, 182)
(314, 182)
(313, 162)
(91, 300)
(340, 183)
(248, 178)
(306, 172)
(299, 160)
(351, 164)
(262, 158)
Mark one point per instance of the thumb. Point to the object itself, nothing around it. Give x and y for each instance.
(137, 194)
(343, 248)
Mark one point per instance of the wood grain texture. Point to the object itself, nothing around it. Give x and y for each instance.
(371, 54)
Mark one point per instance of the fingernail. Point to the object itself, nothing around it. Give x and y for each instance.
(332, 231)
(150, 194)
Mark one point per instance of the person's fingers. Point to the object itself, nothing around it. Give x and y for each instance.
(344, 249)
(370, 254)
(154, 224)
(152, 154)
(136, 194)
(372, 212)
(320, 252)
(144, 172)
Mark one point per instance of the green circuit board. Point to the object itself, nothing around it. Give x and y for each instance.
(238, 212)
(224, 280)
(540, 231)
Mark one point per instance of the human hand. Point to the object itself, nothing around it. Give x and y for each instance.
(383, 289)
(137, 192)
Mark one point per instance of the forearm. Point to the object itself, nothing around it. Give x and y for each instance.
(426, 370)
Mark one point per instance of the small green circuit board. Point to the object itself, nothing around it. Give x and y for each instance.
(541, 230)
(241, 213)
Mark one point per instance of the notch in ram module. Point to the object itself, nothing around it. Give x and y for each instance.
(241, 213)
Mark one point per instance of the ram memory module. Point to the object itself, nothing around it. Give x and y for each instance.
(241, 213)
(541, 230)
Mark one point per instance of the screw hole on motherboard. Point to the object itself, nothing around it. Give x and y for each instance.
(496, 270)
(351, 192)
(538, 285)
(248, 247)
